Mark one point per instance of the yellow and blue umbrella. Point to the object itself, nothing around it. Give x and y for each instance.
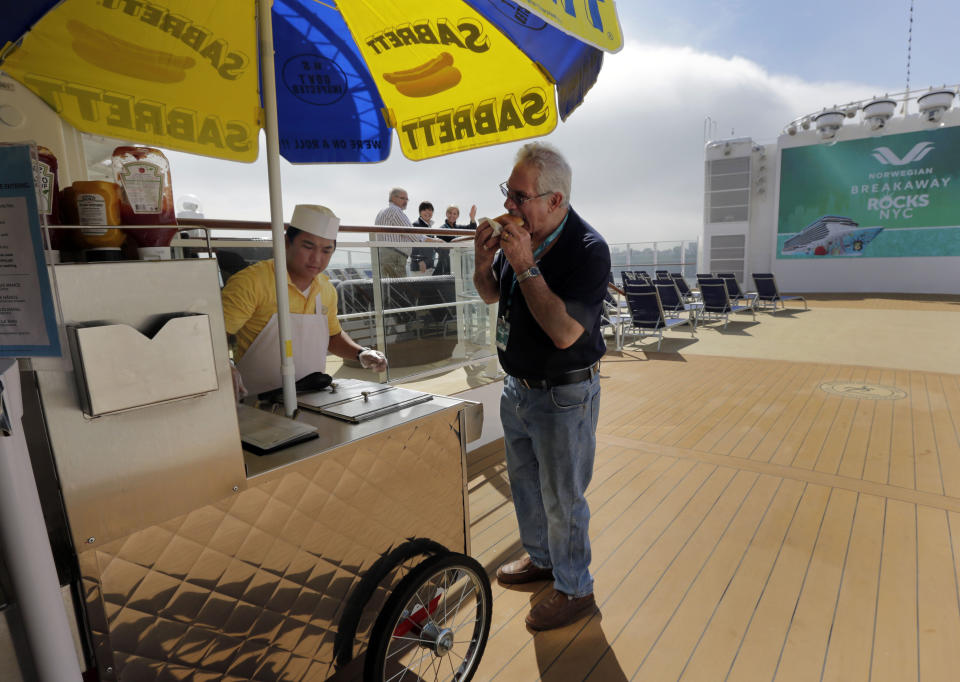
(328, 80)
(447, 75)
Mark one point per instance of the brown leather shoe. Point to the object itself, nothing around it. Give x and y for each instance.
(522, 571)
(558, 610)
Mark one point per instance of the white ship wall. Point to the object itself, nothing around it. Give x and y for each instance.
(934, 275)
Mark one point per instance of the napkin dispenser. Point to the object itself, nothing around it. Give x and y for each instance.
(119, 368)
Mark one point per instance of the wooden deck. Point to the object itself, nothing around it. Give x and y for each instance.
(752, 519)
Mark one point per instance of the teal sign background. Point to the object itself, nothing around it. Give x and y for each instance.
(909, 184)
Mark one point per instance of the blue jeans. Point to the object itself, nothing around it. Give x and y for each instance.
(550, 438)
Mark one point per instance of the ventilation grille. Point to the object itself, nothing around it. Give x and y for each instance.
(727, 252)
(728, 190)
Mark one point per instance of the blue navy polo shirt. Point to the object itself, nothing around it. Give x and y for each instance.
(577, 269)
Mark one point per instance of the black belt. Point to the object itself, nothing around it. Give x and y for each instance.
(574, 377)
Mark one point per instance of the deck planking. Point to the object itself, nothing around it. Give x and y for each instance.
(747, 525)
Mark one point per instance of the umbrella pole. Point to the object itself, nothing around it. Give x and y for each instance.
(25, 548)
(269, 96)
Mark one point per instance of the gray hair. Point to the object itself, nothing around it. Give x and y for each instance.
(555, 173)
(396, 191)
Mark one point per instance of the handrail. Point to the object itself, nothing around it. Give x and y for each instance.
(258, 225)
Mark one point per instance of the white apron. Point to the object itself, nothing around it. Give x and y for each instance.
(260, 365)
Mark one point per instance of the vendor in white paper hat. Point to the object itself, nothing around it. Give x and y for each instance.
(250, 307)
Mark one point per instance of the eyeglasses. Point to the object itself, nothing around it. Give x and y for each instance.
(519, 198)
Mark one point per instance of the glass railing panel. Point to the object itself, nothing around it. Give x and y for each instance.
(674, 256)
(641, 255)
(619, 254)
(669, 256)
(425, 323)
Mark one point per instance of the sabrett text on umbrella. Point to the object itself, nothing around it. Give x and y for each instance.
(468, 35)
(126, 112)
(481, 119)
(228, 64)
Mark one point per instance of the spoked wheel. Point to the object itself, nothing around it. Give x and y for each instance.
(435, 624)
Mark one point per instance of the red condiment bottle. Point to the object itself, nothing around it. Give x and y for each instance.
(147, 198)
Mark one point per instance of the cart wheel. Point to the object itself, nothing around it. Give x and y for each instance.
(435, 624)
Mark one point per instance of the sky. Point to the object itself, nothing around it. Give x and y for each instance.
(737, 68)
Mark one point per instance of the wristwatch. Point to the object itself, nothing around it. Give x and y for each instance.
(528, 273)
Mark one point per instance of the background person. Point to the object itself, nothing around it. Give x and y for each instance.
(443, 255)
(393, 260)
(250, 307)
(549, 278)
(421, 258)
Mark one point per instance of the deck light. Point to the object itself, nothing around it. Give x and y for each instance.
(934, 103)
(828, 123)
(878, 112)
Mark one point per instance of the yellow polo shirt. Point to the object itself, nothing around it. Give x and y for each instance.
(250, 299)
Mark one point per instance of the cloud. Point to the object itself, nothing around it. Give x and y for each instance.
(635, 144)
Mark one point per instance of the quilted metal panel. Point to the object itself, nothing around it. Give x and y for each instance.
(254, 586)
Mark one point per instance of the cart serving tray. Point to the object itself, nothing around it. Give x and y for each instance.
(358, 401)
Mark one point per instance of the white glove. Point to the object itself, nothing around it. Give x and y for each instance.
(373, 359)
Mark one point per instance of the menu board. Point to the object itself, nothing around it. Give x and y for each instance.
(28, 326)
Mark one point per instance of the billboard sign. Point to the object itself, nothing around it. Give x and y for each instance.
(877, 197)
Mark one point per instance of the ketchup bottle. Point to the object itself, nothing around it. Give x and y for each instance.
(147, 198)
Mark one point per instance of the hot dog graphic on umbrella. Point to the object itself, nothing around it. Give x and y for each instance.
(115, 54)
(431, 77)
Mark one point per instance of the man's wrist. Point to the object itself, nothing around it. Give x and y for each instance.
(524, 275)
(363, 349)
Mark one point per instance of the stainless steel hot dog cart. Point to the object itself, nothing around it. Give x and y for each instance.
(343, 556)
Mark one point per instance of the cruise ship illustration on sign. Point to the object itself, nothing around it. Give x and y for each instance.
(831, 235)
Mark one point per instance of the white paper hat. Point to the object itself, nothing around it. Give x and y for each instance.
(315, 219)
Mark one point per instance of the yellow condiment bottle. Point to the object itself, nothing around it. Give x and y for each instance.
(98, 206)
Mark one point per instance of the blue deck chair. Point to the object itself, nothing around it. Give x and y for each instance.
(672, 301)
(716, 302)
(681, 283)
(634, 276)
(646, 313)
(734, 290)
(615, 312)
(661, 274)
(768, 294)
(613, 316)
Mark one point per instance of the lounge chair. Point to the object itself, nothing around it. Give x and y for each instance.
(615, 312)
(716, 302)
(646, 313)
(634, 276)
(681, 283)
(661, 274)
(733, 288)
(768, 294)
(672, 301)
